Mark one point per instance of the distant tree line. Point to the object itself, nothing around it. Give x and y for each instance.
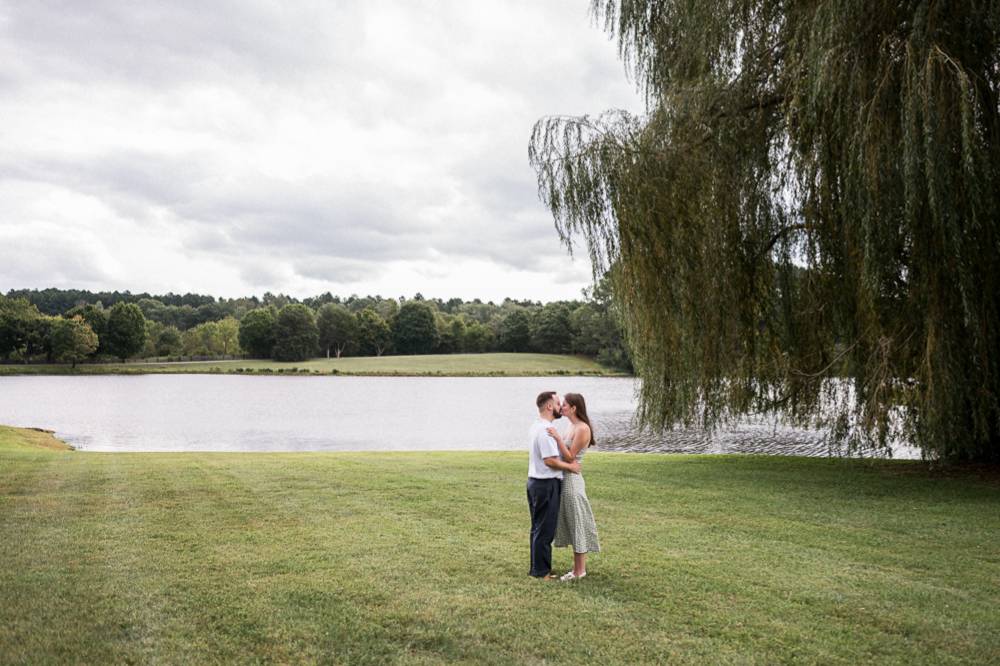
(125, 325)
(81, 333)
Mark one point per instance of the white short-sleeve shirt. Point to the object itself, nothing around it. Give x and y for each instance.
(541, 445)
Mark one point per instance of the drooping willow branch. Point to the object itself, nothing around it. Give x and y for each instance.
(874, 127)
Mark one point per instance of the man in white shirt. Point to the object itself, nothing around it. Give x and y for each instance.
(545, 473)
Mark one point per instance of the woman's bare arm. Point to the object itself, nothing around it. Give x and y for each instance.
(563, 451)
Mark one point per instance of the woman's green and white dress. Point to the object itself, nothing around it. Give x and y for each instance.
(576, 524)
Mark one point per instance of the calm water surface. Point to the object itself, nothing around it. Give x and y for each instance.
(330, 413)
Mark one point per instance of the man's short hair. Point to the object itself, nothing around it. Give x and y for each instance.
(543, 398)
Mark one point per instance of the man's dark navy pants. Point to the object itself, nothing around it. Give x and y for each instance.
(543, 501)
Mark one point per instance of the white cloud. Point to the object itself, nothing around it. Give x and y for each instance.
(238, 147)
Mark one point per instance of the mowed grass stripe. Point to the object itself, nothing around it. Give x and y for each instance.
(61, 601)
(422, 558)
(217, 539)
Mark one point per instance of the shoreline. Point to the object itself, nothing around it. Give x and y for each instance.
(12, 437)
(300, 373)
(444, 365)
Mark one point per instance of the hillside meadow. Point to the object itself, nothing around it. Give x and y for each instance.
(431, 364)
(421, 558)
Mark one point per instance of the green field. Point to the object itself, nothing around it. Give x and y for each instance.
(421, 558)
(444, 364)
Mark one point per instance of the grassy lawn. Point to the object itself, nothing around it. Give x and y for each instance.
(422, 558)
(445, 364)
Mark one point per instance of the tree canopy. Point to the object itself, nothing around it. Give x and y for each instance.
(96, 318)
(168, 342)
(337, 328)
(550, 329)
(296, 336)
(416, 329)
(126, 331)
(515, 331)
(72, 340)
(374, 334)
(18, 319)
(256, 333)
(805, 221)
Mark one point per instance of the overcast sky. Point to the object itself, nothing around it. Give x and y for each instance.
(242, 146)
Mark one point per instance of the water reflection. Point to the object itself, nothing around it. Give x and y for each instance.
(331, 413)
(745, 438)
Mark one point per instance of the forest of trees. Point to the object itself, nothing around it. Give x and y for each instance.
(55, 325)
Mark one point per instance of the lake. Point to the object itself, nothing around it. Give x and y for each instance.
(334, 413)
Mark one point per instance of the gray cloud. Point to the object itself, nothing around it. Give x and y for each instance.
(164, 42)
(47, 257)
(289, 146)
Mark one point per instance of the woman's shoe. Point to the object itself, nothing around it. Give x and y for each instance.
(571, 576)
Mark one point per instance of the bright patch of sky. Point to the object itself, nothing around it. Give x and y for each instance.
(237, 147)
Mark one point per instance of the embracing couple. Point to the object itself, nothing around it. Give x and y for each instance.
(557, 496)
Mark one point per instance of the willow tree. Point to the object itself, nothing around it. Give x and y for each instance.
(804, 223)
